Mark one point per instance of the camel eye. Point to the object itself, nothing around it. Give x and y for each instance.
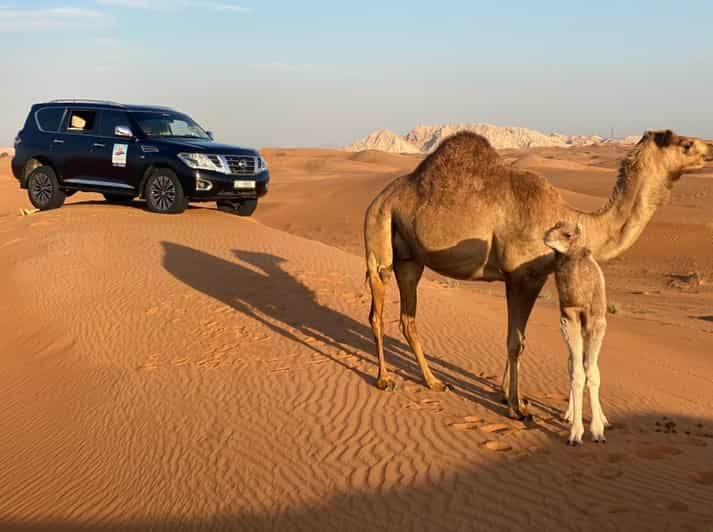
(687, 146)
(568, 235)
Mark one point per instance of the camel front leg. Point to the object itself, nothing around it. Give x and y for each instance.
(572, 333)
(408, 274)
(521, 296)
(592, 347)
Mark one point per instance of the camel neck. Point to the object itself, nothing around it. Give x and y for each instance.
(616, 227)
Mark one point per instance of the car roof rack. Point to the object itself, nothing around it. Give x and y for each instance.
(103, 102)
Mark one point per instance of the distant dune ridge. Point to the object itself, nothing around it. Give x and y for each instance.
(425, 139)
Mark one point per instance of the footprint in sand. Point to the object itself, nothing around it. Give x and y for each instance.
(432, 405)
(150, 364)
(609, 473)
(657, 452)
(677, 506)
(495, 445)
(615, 458)
(467, 425)
(495, 428)
(703, 477)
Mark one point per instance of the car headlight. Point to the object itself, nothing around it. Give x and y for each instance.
(261, 164)
(201, 161)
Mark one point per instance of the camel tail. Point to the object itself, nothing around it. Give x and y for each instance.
(378, 236)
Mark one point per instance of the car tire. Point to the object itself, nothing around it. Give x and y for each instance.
(164, 192)
(120, 199)
(241, 208)
(44, 190)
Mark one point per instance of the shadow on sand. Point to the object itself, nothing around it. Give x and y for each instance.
(256, 285)
(536, 492)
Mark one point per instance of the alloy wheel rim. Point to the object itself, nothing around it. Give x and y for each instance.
(163, 192)
(42, 188)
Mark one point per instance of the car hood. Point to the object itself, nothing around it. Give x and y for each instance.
(199, 145)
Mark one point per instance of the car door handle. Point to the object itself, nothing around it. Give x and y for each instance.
(98, 145)
(58, 141)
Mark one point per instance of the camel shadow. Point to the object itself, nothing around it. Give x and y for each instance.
(258, 286)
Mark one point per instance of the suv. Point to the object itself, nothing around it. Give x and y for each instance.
(125, 151)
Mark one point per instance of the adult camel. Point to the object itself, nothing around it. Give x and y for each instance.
(466, 214)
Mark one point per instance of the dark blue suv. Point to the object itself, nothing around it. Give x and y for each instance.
(129, 151)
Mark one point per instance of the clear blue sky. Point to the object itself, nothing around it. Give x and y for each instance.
(322, 73)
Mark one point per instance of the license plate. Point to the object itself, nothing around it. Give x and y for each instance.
(244, 184)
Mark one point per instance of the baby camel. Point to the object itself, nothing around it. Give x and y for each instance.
(583, 308)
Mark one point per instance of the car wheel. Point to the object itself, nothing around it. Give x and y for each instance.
(241, 208)
(43, 189)
(118, 198)
(164, 193)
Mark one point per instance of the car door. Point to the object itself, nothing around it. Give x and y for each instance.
(111, 154)
(71, 148)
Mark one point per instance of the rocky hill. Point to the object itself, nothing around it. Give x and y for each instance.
(424, 139)
(384, 140)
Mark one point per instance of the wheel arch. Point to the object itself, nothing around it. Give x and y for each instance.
(156, 166)
(32, 164)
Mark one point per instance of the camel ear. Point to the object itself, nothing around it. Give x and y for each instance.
(663, 138)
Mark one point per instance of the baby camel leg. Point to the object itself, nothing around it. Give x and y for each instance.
(572, 333)
(593, 344)
(569, 414)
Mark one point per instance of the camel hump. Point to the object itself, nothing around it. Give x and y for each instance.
(458, 164)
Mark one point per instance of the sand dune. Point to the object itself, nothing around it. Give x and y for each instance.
(206, 372)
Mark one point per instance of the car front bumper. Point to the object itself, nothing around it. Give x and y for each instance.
(227, 187)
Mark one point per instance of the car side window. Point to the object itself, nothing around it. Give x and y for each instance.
(50, 118)
(110, 119)
(81, 121)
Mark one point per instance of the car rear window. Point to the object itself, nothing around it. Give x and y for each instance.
(81, 120)
(50, 118)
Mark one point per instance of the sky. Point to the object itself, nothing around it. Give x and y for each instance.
(323, 73)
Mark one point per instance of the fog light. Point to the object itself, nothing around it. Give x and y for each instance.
(203, 184)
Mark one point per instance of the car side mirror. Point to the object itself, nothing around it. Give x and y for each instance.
(123, 131)
(210, 135)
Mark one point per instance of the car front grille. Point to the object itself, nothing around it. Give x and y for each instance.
(241, 164)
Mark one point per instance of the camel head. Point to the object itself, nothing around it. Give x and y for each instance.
(676, 154)
(565, 237)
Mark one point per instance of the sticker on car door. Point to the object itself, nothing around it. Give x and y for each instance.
(118, 155)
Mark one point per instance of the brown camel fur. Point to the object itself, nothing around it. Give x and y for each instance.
(466, 214)
(583, 321)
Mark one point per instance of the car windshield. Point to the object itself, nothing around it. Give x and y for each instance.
(169, 125)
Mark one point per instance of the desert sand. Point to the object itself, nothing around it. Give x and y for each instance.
(207, 372)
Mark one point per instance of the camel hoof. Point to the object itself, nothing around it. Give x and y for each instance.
(520, 414)
(574, 443)
(386, 383)
(438, 386)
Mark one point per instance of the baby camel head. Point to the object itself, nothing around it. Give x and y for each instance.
(565, 237)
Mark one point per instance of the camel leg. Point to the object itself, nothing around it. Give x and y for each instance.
(378, 291)
(572, 333)
(592, 346)
(408, 274)
(569, 414)
(521, 296)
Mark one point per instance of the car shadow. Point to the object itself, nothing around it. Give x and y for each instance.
(257, 285)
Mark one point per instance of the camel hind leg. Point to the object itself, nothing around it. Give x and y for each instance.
(376, 319)
(592, 346)
(408, 274)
